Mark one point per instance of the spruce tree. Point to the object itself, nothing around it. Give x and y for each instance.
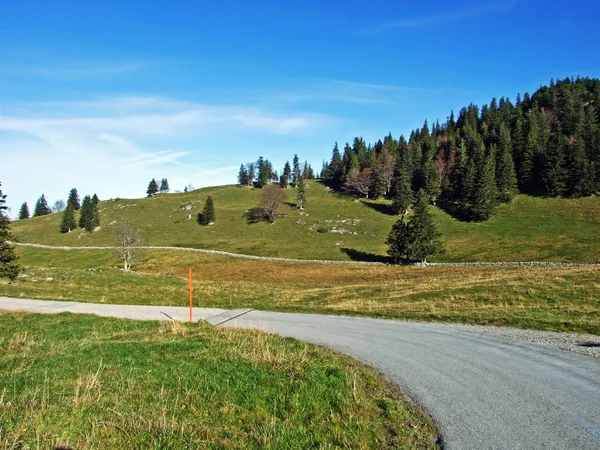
(24, 211)
(403, 197)
(286, 175)
(416, 240)
(301, 194)
(73, 200)
(295, 169)
(483, 196)
(8, 259)
(242, 176)
(68, 220)
(506, 179)
(89, 218)
(207, 216)
(152, 188)
(553, 173)
(41, 207)
(432, 181)
(580, 182)
(164, 186)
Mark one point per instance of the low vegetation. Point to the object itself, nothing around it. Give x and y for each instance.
(89, 382)
(563, 299)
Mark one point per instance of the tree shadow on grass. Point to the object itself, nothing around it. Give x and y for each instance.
(357, 255)
(380, 207)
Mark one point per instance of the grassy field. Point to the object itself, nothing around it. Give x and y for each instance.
(88, 382)
(563, 299)
(338, 227)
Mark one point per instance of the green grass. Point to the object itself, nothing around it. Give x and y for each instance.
(89, 382)
(563, 299)
(528, 229)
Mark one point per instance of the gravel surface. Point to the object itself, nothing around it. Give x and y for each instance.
(585, 344)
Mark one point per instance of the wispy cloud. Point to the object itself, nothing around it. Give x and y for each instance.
(460, 14)
(70, 72)
(113, 146)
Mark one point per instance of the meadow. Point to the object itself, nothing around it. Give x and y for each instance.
(336, 227)
(89, 382)
(558, 298)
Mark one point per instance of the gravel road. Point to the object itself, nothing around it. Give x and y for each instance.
(483, 389)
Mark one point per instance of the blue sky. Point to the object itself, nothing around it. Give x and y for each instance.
(105, 95)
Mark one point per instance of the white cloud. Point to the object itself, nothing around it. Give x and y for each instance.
(115, 146)
(70, 72)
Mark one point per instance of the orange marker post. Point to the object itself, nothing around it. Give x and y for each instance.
(190, 285)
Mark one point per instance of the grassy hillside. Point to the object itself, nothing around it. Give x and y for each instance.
(89, 382)
(337, 227)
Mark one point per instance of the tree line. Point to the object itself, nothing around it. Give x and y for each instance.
(260, 173)
(545, 144)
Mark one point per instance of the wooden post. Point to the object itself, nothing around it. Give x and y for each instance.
(190, 286)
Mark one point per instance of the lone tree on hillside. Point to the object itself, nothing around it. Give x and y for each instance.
(128, 250)
(41, 207)
(415, 240)
(271, 199)
(89, 218)
(24, 211)
(152, 188)
(68, 220)
(207, 216)
(164, 186)
(73, 200)
(8, 260)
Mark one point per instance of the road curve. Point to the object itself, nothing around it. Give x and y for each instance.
(483, 391)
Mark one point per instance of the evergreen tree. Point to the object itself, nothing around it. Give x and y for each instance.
(151, 191)
(403, 196)
(8, 259)
(24, 211)
(484, 194)
(506, 179)
(301, 194)
(286, 175)
(73, 200)
(265, 172)
(41, 207)
(296, 169)
(207, 216)
(68, 223)
(580, 182)
(89, 218)
(431, 177)
(164, 186)
(417, 239)
(243, 176)
(251, 173)
(335, 169)
(553, 173)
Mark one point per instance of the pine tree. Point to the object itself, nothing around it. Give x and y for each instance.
(432, 181)
(207, 217)
(41, 207)
(484, 194)
(8, 259)
(24, 211)
(580, 182)
(417, 239)
(286, 175)
(164, 186)
(295, 169)
(89, 218)
(243, 175)
(73, 200)
(68, 220)
(553, 173)
(301, 194)
(506, 179)
(403, 197)
(152, 189)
